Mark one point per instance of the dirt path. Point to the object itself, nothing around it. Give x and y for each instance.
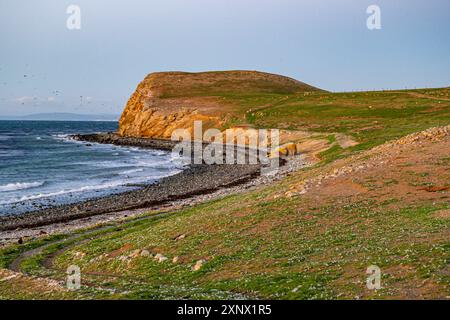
(91, 280)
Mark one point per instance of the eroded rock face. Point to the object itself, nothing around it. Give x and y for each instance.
(147, 115)
(167, 101)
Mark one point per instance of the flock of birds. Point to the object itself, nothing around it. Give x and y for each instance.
(55, 93)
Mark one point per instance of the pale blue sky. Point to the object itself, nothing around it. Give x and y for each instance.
(322, 42)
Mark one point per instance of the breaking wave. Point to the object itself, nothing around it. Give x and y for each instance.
(20, 186)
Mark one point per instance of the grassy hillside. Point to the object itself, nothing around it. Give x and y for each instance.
(311, 235)
(371, 118)
(218, 83)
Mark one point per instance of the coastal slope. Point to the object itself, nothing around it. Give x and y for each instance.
(311, 235)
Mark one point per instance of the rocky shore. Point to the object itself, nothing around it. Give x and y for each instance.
(114, 138)
(194, 180)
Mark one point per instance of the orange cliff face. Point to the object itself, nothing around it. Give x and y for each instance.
(166, 101)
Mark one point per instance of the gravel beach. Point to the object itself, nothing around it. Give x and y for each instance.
(194, 180)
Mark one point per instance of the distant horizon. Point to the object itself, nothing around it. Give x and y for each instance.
(53, 116)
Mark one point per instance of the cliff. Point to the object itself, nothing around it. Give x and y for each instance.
(165, 101)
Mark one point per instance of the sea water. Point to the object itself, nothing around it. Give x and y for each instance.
(40, 166)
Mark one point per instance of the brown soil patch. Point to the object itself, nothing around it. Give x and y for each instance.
(443, 214)
(121, 250)
(345, 141)
(343, 188)
(435, 189)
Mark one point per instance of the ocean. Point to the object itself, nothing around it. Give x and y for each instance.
(41, 167)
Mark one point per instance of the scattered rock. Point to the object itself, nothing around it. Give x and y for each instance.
(160, 258)
(79, 254)
(180, 237)
(198, 265)
(9, 277)
(136, 253)
(289, 194)
(145, 253)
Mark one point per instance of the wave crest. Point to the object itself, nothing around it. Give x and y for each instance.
(20, 186)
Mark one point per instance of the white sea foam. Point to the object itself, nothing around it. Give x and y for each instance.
(61, 192)
(20, 186)
(60, 136)
(66, 138)
(103, 186)
(131, 171)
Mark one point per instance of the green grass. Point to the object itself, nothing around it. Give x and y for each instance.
(294, 256)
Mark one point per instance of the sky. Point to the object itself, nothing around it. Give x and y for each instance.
(46, 67)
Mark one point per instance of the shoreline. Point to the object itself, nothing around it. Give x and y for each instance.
(115, 139)
(195, 184)
(193, 181)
